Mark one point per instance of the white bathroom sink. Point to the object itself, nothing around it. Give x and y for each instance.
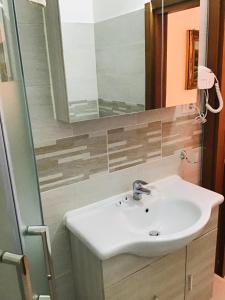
(167, 220)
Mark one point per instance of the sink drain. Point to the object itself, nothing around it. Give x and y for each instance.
(154, 233)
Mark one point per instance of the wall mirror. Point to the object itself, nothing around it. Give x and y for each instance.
(110, 58)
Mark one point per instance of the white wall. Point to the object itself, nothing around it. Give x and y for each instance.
(79, 44)
(89, 11)
(76, 11)
(120, 57)
(106, 9)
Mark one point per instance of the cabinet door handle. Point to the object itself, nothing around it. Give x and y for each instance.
(190, 282)
(22, 265)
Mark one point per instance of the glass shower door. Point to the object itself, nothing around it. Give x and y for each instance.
(14, 269)
(22, 232)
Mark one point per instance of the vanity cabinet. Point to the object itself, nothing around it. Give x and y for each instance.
(164, 279)
(185, 274)
(200, 267)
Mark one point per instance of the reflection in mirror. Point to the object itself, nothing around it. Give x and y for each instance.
(104, 55)
(192, 59)
(107, 61)
(110, 58)
(181, 51)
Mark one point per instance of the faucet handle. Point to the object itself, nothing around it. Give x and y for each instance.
(138, 189)
(139, 183)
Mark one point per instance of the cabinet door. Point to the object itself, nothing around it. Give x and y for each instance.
(163, 280)
(200, 267)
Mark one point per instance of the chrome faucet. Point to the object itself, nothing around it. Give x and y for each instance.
(139, 190)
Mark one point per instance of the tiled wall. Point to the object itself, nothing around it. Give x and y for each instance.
(83, 110)
(86, 162)
(35, 66)
(71, 159)
(79, 50)
(97, 163)
(80, 157)
(110, 66)
(120, 58)
(117, 108)
(32, 42)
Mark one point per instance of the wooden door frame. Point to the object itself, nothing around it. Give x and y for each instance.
(221, 235)
(213, 139)
(153, 32)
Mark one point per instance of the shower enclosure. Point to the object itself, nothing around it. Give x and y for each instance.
(25, 256)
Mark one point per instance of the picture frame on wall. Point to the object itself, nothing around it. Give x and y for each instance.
(192, 53)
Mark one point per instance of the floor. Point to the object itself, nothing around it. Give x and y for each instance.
(219, 288)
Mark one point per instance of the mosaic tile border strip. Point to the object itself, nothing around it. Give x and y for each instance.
(183, 133)
(78, 158)
(83, 110)
(134, 145)
(93, 109)
(71, 160)
(116, 108)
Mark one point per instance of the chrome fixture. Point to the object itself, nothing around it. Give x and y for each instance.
(139, 190)
(43, 232)
(42, 297)
(22, 266)
(184, 156)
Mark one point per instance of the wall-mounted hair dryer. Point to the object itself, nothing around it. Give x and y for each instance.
(207, 80)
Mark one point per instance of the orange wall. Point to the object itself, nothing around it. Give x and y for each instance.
(178, 24)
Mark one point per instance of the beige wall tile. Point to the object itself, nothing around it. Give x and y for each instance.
(180, 134)
(71, 159)
(134, 145)
(28, 13)
(34, 55)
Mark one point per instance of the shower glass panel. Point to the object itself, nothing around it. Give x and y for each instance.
(9, 234)
(20, 205)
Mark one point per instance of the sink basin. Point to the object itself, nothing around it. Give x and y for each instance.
(167, 220)
(167, 217)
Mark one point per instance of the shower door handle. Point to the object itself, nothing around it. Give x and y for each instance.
(22, 266)
(43, 232)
